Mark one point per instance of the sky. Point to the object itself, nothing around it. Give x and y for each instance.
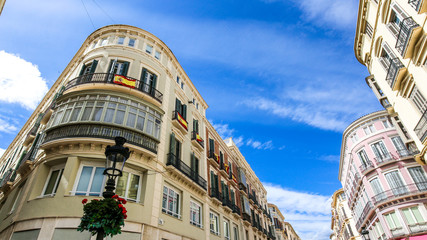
(279, 76)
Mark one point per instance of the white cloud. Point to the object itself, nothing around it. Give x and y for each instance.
(2, 150)
(6, 126)
(308, 213)
(225, 132)
(329, 158)
(21, 82)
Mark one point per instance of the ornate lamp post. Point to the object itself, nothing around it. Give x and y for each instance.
(365, 234)
(116, 158)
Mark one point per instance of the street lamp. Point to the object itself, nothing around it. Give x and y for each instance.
(365, 233)
(116, 158)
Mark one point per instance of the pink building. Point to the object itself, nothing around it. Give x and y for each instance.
(386, 189)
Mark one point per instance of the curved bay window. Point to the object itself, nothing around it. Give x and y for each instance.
(108, 109)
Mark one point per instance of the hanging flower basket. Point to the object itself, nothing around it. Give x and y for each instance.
(103, 216)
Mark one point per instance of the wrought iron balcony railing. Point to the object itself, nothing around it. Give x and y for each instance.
(406, 190)
(366, 167)
(384, 158)
(215, 193)
(101, 131)
(393, 71)
(227, 202)
(364, 214)
(416, 4)
(196, 137)
(406, 27)
(421, 127)
(186, 170)
(236, 209)
(108, 78)
(8, 176)
(246, 217)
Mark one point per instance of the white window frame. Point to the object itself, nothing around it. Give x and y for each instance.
(104, 41)
(131, 172)
(235, 232)
(52, 169)
(167, 211)
(121, 40)
(200, 210)
(227, 233)
(157, 55)
(79, 174)
(214, 222)
(149, 49)
(133, 41)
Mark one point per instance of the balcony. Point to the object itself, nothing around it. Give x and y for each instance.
(179, 122)
(213, 158)
(368, 166)
(408, 35)
(419, 5)
(197, 140)
(224, 169)
(186, 170)
(109, 78)
(418, 227)
(235, 209)
(421, 127)
(382, 159)
(410, 189)
(83, 130)
(215, 195)
(226, 202)
(368, 207)
(395, 73)
(246, 217)
(7, 180)
(31, 135)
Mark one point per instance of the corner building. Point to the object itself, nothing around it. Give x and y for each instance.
(385, 188)
(284, 230)
(342, 223)
(126, 82)
(391, 41)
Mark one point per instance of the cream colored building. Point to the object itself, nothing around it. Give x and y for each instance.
(342, 223)
(284, 230)
(391, 42)
(124, 81)
(2, 2)
(290, 232)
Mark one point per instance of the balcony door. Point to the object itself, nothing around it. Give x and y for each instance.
(419, 177)
(148, 80)
(118, 67)
(380, 150)
(378, 190)
(396, 183)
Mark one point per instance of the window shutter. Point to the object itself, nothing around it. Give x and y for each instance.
(233, 200)
(93, 67)
(83, 69)
(142, 80)
(110, 67)
(216, 183)
(184, 111)
(178, 105)
(211, 145)
(153, 84)
(125, 69)
(221, 158)
(172, 145)
(212, 180)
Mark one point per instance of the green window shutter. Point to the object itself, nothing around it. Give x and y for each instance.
(172, 145)
(124, 71)
(216, 182)
(82, 70)
(212, 180)
(221, 157)
(184, 111)
(178, 105)
(93, 67)
(211, 145)
(233, 200)
(154, 83)
(197, 126)
(143, 75)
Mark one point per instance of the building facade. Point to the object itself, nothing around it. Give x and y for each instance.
(126, 82)
(290, 232)
(384, 186)
(391, 42)
(342, 223)
(284, 230)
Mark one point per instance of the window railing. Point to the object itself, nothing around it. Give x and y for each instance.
(196, 137)
(8, 176)
(235, 209)
(384, 158)
(367, 166)
(215, 193)
(406, 190)
(421, 128)
(396, 232)
(393, 71)
(227, 202)
(108, 78)
(186, 170)
(246, 217)
(100, 131)
(406, 27)
(416, 4)
(364, 214)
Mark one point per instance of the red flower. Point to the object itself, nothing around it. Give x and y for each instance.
(95, 200)
(124, 201)
(120, 206)
(115, 196)
(125, 216)
(84, 201)
(124, 211)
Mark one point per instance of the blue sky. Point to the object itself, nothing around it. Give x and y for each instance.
(280, 77)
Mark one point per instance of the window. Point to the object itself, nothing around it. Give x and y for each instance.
(52, 182)
(364, 160)
(170, 203)
(386, 124)
(121, 40)
(393, 222)
(110, 109)
(369, 129)
(94, 44)
(182, 85)
(91, 181)
(149, 81)
(227, 229)
(379, 231)
(17, 198)
(214, 223)
(413, 216)
(195, 214)
(419, 177)
(395, 182)
(380, 151)
(368, 29)
(181, 108)
(157, 55)
(378, 190)
(119, 67)
(131, 42)
(386, 56)
(177, 79)
(128, 186)
(418, 99)
(396, 17)
(235, 232)
(89, 68)
(104, 41)
(149, 49)
(400, 147)
(197, 106)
